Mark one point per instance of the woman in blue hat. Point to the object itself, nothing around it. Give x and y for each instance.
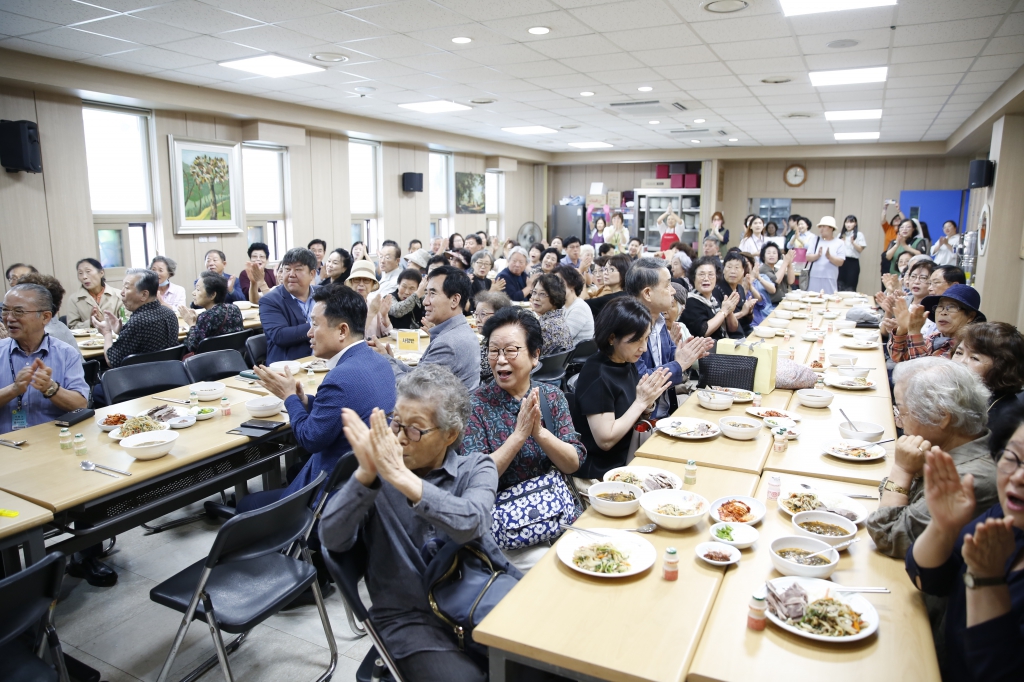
(957, 307)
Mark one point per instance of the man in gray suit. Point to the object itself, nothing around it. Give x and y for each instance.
(453, 342)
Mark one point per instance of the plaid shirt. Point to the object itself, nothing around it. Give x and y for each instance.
(151, 327)
(910, 346)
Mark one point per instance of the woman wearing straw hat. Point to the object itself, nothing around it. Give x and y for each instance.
(363, 280)
(826, 259)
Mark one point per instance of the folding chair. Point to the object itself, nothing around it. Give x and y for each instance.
(125, 383)
(256, 348)
(247, 578)
(232, 341)
(551, 369)
(172, 353)
(215, 365)
(26, 599)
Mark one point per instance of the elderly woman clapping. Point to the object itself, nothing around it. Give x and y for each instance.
(939, 403)
(957, 307)
(413, 490)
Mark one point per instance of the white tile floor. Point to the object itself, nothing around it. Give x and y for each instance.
(120, 632)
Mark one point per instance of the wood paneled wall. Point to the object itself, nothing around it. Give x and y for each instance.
(575, 180)
(520, 202)
(406, 215)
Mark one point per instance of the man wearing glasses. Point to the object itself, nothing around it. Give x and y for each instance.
(390, 258)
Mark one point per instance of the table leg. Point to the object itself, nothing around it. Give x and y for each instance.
(241, 490)
(497, 664)
(34, 548)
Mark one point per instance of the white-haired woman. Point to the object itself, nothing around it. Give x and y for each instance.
(170, 294)
(411, 492)
(518, 284)
(943, 404)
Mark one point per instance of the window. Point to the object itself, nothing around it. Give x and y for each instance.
(263, 181)
(117, 156)
(363, 187)
(142, 242)
(440, 190)
(494, 185)
(111, 248)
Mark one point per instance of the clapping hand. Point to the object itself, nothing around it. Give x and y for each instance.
(675, 332)
(188, 315)
(730, 302)
(281, 385)
(23, 379)
(651, 386)
(748, 305)
(989, 547)
(910, 454)
(385, 448)
(950, 498)
(695, 348)
(497, 284)
(910, 318)
(887, 326)
(358, 436)
(528, 419)
(41, 376)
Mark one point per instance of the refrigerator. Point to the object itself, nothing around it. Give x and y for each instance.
(568, 221)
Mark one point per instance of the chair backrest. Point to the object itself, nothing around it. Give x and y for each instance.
(125, 383)
(172, 353)
(232, 341)
(265, 530)
(92, 372)
(347, 569)
(214, 365)
(25, 596)
(583, 350)
(256, 346)
(552, 367)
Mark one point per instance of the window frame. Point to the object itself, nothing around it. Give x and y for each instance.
(149, 162)
(497, 216)
(443, 224)
(371, 223)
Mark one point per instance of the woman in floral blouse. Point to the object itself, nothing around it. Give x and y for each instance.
(216, 319)
(547, 301)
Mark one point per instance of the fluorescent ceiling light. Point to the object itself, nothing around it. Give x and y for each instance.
(540, 30)
(530, 130)
(462, 40)
(586, 93)
(849, 76)
(436, 106)
(794, 8)
(590, 145)
(272, 66)
(653, 123)
(857, 136)
(734, 139)
(698, 120)
(645, 88)
(853, 115)
(695, 141)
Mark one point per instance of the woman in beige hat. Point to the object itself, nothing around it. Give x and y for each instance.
(363, 280)
(824, 263)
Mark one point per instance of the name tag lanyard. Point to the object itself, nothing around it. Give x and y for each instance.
(18, 417)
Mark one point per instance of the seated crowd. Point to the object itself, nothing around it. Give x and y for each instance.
(441, 446)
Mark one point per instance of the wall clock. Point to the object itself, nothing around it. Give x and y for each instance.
(795, 175)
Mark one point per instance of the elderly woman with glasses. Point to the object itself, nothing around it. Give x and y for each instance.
(995, 352)
(487, 304)
(971, 556)
(703, 314)
(938, 403)
(480, 267)
(955, 309)
(411, 493)
(547, 302)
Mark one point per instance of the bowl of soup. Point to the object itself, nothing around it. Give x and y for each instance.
(790, 556)
(830, 528)
(614, 498)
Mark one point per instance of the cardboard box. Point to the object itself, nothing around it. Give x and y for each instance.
(691, 181)
(677, 181)
(615, 199)
(598, 199)
(661, 171)
(655, 183)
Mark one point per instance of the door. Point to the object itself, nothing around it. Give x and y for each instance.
(815, 209)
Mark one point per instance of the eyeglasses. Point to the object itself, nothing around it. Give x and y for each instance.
(948, 308)
(897, 416)
(17, 313)
(411, 432)
(918, 278)
(1008, 463)
(481, 316)
(705, 275)
(510, 353)
(539, 295)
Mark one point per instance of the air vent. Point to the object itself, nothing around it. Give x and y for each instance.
(799, 115)
(776, 80)
(650, 107)
(699, 133)
(678, 106)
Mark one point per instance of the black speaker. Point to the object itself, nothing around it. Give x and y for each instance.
(19, 147)
(412, 182)
(982, 173)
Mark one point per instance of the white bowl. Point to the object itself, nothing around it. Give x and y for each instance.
(812, 336)
(158, 444)
(209, 390)
(809, 397)
(742, 536)
(739, 433)
(866, 431)
(243, 305)
(784, 314)
(764, 332)
(851, 371)
(840, 359)
(652, 500)
(265, 406)
(757, 509)
(790, 304)
(865, 336)
(845, 324)
(794, 296)
(714, 401)
(830, 315)
(292, 365)
(614, 508)
(104, 427)
(825, 517)
(704, 547)
(195, 411)
(786, 567)
(777, 323)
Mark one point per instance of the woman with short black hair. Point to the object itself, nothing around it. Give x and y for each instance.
(614, 278)
(704, 314)
(217, 317)
(337, 267)
(547, 301)
(995, 352)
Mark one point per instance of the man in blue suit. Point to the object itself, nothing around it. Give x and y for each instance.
(285, 311)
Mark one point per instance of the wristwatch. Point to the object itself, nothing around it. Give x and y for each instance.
(972, 582)
(52, 390)
(889, 485)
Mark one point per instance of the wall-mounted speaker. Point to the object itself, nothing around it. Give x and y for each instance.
(19, 147)
(982, 173)
(412, 182)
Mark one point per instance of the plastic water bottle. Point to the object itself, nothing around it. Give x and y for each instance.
(193, 399)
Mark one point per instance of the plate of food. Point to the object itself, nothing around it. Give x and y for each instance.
(856, 450)
(718, 553)
(687, 428)
(646, 478)
(819, 610)
(203, 413)
(811, 336)
(813, 300)
(411, 359)
(794, 501)
(738, 394)
(81, 332)
(860, 345)
(779, 423)
(111, 421)
(136, 425)
(175, 417)
(318, 365)
(762, 412)
(800, 316)
(816, 366)
(737, 509)
(850, 383)
(618, 555)
(91, 343)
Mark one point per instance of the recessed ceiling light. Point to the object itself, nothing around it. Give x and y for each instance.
(698, 120)
(272, 66)
(734, 139)
(645, 88)
(590, 145)
(586, 93)
(482, 101)
(776, 80)
(845, 42)
(849, 76)
(530, 130)
(329, 57)
(653, 123)
(793, 8)
(437, 106)
(857, 136)
(695, 141)
(853, 115)
(540, 30)
(462, 40)
(364, 89)
(725, 6)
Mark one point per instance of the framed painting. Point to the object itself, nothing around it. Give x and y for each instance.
(469, 193)
(206, 186)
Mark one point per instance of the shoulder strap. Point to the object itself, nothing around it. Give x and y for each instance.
(545, 408)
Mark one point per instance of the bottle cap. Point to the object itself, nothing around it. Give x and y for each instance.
(691, 463)
(670, 550)
(78, 435)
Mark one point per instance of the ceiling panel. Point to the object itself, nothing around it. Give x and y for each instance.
(61, 12)
(16, 24)
(633, 13)
(195, 16)
(271, 11)
(212, 48)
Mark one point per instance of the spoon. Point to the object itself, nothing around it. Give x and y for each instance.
(649, 528)
(852, 425)
(89, 466)
(92, 467)
(851, 495)
(16, 444)
(841, 545)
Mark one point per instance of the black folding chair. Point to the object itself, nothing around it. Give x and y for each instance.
(256, 347)
(214, 365)
(580, 354)
(125, 383)
(26, 599)
(233, 341)
(91, 368)
(172, 353)
(551, 369)
(246, 579)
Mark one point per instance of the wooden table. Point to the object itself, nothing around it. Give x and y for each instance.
(560, 620)
(24, 530)
(309, 383)
(901, 650)
(721, 452)
(88, 353)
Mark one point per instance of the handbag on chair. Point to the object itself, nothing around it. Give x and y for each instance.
(732, 371)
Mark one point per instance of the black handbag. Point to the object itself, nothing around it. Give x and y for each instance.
(731, 371)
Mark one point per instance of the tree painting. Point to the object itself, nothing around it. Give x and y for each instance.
(469, 193)
(207, 185)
